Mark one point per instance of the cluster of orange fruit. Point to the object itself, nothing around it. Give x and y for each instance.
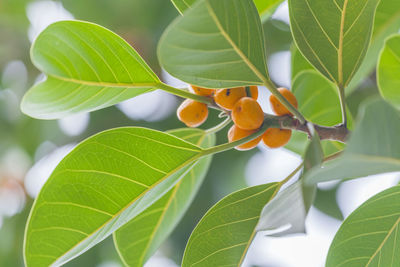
(246, 114)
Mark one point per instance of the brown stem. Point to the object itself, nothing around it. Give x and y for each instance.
(336, 133)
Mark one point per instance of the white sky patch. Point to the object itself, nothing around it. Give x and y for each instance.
(109, 264)
(43, 13)
(153, 106)
(41, 170)
(74, 125)
(282, 13)
(302, 250)
(270, 165)
(351, 194)
(15, 76)
(279, 65)
(14, 163)
(12, 198)
(158, 261)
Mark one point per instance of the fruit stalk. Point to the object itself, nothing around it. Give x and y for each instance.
(272, 88)
(184, 94)
(342, 98)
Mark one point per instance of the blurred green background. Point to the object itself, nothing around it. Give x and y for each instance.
(30, 148)
(25, 141)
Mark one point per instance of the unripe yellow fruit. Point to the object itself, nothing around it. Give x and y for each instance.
(247, 114)
(235, 133)
(192, 113)
(275, 137)
(278, 107)
(202, 91)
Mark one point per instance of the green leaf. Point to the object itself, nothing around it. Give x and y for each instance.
(88, 68)
(333, 35)
(373, 147)
(368, 237)
(299, 63)
(318, 99)
(319, 103)
(265, 8)
(326, 202)
(103, 183)
(182, 5)
(313, 157)
(286, 210)
(389, 71)
(217, 44)
(224, 234)
(314, 154)
(387, 22)
(137, 240)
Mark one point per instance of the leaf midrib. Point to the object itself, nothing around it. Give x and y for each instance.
(160, 219)
(395, 225)
(247, 61)
(171, 198)
(186, 163)
(106, 84)
(341, 42)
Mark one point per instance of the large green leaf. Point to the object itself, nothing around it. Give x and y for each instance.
(333, 35)
(389, 71)
(290, 207)
(286, 210)
(387, 22)
(369, 236)
(182, 5)
(299, 63)
(216, 44)
(137, 240)
(318, 98)
(326, 202)
(319, 103)
(103, 183)
(265, 7)
(373, 147)
(224, 234)
(88, 67)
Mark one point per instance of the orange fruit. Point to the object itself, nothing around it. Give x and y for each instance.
(247, 114)
(227, 98)
(275, 137)
(202, 91)
(235, 133)
(252, 91)
(278, 107)
(192, 113)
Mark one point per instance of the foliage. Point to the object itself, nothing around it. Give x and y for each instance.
(137, 183)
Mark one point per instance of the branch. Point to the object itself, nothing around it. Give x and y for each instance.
(335, 133)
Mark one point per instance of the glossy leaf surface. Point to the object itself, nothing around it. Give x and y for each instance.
(103, 183)
(137, 240)
(373, 146)
(333, 35)
(389, 71)
(88, 68)
(319, 103)
(387, 22)
(369, 236)
(224, 234)
(265, 8)
(216, 44)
